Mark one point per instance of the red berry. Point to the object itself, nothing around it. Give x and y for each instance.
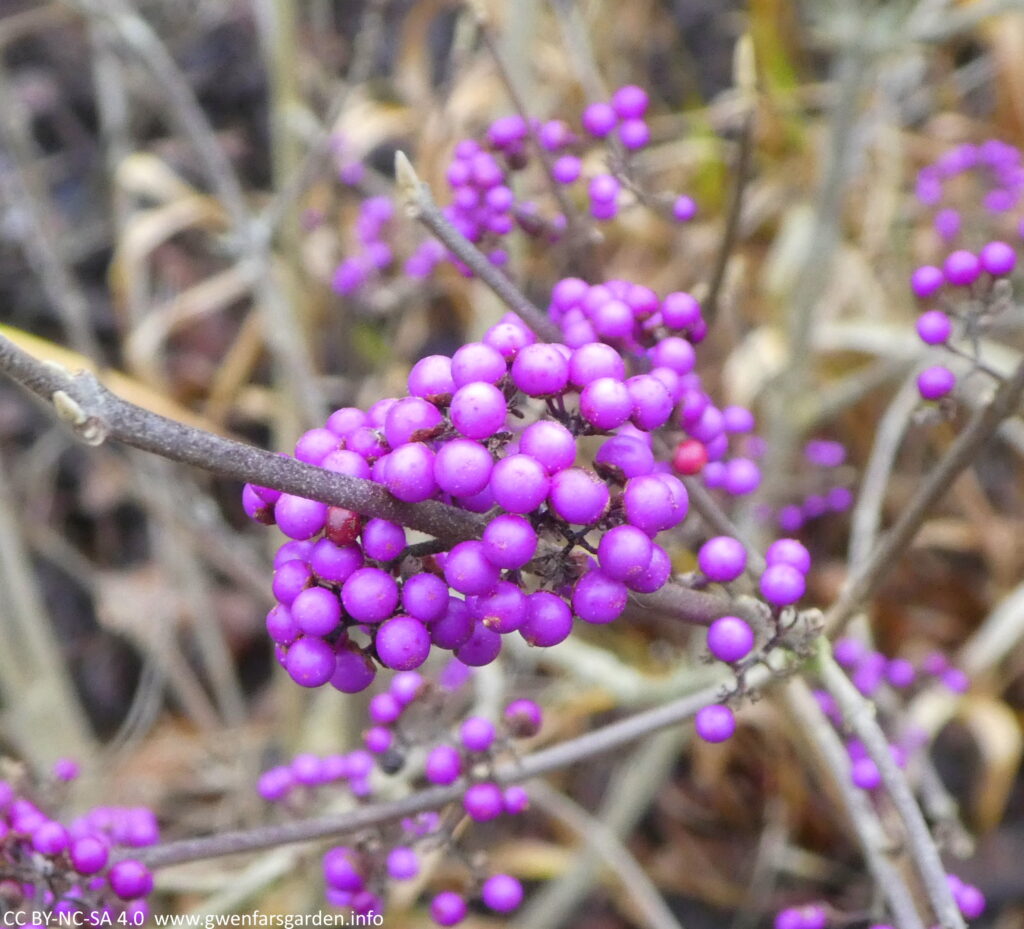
(689, 457)
(343, 526)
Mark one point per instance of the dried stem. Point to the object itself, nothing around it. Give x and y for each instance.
(859, 714)
(421, 207)
(859, 812)
(870, 574)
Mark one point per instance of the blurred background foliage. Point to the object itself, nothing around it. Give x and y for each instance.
(172, 216)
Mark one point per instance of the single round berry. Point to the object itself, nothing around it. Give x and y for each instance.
(782, 584)
(481, 648)
(730, 639)
(598, 599)
(503, 610)
(509, 541)
(593, 361)
(478, 410)
(624, 552)
(791, 552)
(448, 908)
(715, 723)
(89, 855)
(343, 870)
(934, 327)
(425, 597)
(477, 734)
(370, 595)
(997, 258)
(411, 420)
(722, 559)
(402, 643)
(483, 802)
(624, 456)
(316, 611)
(443, 765)
(310, 661)
(353, 671)
(935, 382)
(926, 281)
(403, 864)
(519, 483)
(477, 362)
(605, 403)
(130, 879)
(578, 496)
(540, 370)
(299, 518)
(502, 893)
(523, 718)
(630, 102)
(961, 268)
(462, 467)
(690, 457)
(548, 619)
(599, 119)
(654, 502)
(550, 443)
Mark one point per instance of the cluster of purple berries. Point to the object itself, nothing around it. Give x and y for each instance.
(483, 205)
(76, 868)
(828, 494)
(996, 164)
(374, 255)
(355, 876)
(962, 269)
(342, 580)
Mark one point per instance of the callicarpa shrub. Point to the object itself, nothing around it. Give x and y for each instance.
(574, 467)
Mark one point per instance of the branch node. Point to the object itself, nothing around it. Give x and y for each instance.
(92, 430)
(410, 187)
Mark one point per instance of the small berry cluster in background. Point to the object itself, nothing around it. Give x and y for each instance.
(961, 296)
(78, 870)
(483, 204)
(357, 875)
(825, 483)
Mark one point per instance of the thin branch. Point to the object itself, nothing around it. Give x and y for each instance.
(96, 414)
(420, 206)
(858, 713)
(859, 812)
(870, 574)
(582, 748)
(578, 232)
(651, 909)
(709, 307)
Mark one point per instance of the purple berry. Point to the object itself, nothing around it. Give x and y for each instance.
(483, 802)
(624, 553)
(540, 370)
(402, 863)
(791, 552)
(448, 908)
(310, 661)
(715, 723)
(997, 258)
(926, 281)
(370, 595)
(477, 362)
(402, 643)
(130, 879)
(935, 382)
(477, 734)
(782, 584)
(598, 599)
(462, 467)
(630, 102)
(519, 483)
(316, 611)
(730, 639)
(481, 648)
(599, 119)
(509, 541)
(550, 443)
(523, 718)
(934, 327)
(501, 893)
(961, 268)
(443, 765)
(722, 558)
(654, 502)
(478, 410)
(548, 619)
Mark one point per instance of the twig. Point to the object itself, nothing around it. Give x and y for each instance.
(983, 424)
(858, 809)
(651, 908)
(745, 78)
(97, 414)
(420, 205)
(858, 714)
(577, 231)
(582, 748)
(368, 37)
(867, 514)
(628, 797)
